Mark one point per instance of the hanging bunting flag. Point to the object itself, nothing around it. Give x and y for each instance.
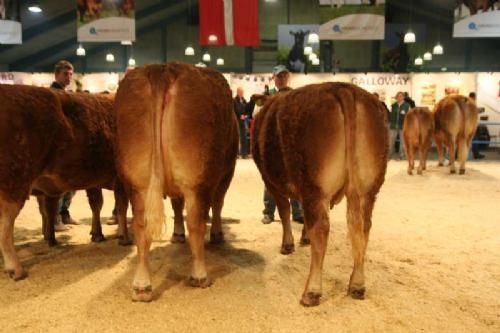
(229, 22)
(105, 20)
(10, 22)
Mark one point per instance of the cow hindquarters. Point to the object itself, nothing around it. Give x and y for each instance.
(8, 213)
(318, 228)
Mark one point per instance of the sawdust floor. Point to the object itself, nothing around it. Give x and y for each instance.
(432, 266)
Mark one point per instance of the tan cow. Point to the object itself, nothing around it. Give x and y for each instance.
(319, 143)
(418, 128)
(53, 142)
(455, 122)
(177, 136)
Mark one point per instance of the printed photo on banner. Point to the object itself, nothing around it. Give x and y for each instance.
(477, 18)
(294, 49)
(105, 20)
(10, 22)
(352, 19)
(396, 55)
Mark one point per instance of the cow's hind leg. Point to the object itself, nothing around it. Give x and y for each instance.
(94, 196)
(142, 290)
(197, 206)
(8, 214)
(439, 147)
(283, 204)
(41, 208)
(216, 233)
(316, 217)
(451, 143)
(463, 151)
(359, 212)
(179, 234)
(51, 207)
(121, 203)
(410, 152)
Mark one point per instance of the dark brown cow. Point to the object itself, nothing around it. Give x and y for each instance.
(52, 142)
(319, 143)
(455, 122)
(418, 128)
(177, 136)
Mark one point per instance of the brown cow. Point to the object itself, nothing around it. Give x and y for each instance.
(177, 136)
(418, 128)
(455, 122)
(52, 142)
(319, 143)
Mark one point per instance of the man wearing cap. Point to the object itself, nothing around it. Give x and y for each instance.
(281, 76)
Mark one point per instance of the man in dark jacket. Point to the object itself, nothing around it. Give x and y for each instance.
(63, 74)
(398, 111)
(240, 109)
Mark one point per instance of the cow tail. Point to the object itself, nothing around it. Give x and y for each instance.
(349, 108)
(154, 212)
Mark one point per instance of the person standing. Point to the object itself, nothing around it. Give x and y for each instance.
(63, 74)
(281, 77)
(240, 109)
(398, 111)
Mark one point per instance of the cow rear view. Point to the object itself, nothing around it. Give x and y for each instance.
(455, 122)
(177, 137)
(418, 127)
(319, 143)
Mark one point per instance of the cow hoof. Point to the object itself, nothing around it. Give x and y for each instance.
(461, 171)
(178, 238)
(440, 164)
(199, 283)
(98, 238)
(142, 294)
(17, 276)
(357, 293)
(52, 242)
(305, 241)
(217, 238)
(410, 172)
(124, 241)
(287, 248)
(419, 172)
(453, 172)
(310, 299)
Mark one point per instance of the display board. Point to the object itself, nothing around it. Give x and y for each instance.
(352, 19)
(105, 21)
(477, 19)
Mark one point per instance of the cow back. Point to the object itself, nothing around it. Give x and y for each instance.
(32, 123)
(312, 137)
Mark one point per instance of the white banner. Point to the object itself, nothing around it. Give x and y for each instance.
(352, 20)
(10, 22)
(477, 22)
